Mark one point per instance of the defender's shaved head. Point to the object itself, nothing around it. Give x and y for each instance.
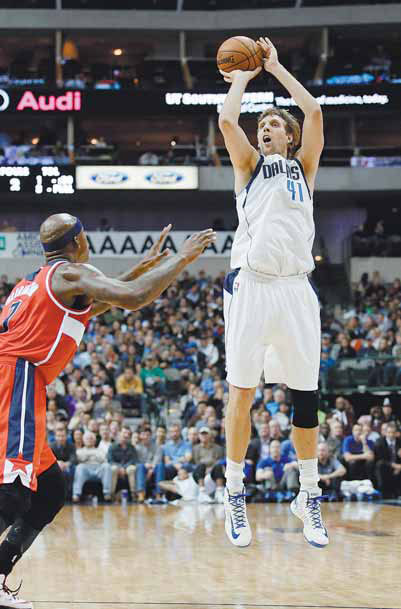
(62, 235)
(56, 226)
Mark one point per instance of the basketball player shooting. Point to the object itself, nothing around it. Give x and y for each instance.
(271, 312)
(41, 326)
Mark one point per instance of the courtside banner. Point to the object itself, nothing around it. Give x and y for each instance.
(112, 244)
(136, 177)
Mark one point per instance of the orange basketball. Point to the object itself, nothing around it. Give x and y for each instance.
(239, 53)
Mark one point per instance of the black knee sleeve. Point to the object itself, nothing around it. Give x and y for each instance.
(306, 404)
(48, 499)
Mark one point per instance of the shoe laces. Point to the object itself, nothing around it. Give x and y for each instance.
(13, 593)
(314, 512)
(237, 503)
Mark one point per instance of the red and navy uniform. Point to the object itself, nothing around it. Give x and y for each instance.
(38, 337)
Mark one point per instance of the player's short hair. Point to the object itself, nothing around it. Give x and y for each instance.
(292, 125)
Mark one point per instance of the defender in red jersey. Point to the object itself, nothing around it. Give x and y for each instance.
(41, 326)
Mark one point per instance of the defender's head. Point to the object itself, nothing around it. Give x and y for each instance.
(62, 235)
(278, 132)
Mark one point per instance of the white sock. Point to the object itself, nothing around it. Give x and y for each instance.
(309, 476)
(234, 476)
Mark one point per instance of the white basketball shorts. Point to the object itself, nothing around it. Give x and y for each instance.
(272, 324)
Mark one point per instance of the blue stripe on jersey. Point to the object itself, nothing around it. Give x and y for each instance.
(14, 422)
(253, 176)
(29, 429)
(303, 175)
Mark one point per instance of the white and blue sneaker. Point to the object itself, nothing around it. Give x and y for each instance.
(307, 509)
(237, 526)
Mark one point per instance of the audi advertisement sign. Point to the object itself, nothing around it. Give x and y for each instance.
(35, 101)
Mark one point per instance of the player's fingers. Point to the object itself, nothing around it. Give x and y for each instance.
(163, 235)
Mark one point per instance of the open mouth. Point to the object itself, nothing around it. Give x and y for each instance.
(266, 139)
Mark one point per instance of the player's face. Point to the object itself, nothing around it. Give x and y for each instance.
(272, 136)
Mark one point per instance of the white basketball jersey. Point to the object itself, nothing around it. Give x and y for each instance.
(275, 211)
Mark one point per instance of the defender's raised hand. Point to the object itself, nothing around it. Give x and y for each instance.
(197, 243)
(157, 246)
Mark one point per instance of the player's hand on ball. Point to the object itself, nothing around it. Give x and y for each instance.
(270, 60)
(197, 243)
(245, 74)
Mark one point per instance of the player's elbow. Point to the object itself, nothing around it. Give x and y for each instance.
(226, 123)
(316, 111)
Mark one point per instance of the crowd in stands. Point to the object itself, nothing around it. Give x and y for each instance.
(142, 404)
(365, 349)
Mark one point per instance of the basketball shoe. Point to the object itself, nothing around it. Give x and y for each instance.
(307, 509)
(9, 598)
(237, 526)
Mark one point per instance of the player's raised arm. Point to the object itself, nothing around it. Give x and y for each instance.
(312, 132)
(243, 155)
(79, 280)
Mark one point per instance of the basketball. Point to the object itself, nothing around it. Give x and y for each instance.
(239, 53)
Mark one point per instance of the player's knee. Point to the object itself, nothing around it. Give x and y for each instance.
(306, 405)
(241, 399)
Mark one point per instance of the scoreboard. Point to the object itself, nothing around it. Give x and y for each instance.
(38, 180)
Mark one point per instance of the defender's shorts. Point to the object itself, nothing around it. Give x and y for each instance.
(272, 324)
(23, 448)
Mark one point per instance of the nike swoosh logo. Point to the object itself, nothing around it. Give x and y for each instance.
(233, 533)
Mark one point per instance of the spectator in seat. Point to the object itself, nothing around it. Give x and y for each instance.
(358, 454)
(388, 462)
(275, 431)
(152, 376)
(331, 471)
(335, 439)
(78, 438)
(283, 417)
(147, 451)
(65, 454)
(123, 458)
(92, 465)
(276, 472)
(130, 389)
(273, 406)
(367, 350)
(210, 351)
(345, 351)
(344, 413)
(175, 453)
(205, 456)
(259, 447)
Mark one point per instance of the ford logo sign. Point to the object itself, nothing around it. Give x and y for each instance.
(164, 177)
(109, 177)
